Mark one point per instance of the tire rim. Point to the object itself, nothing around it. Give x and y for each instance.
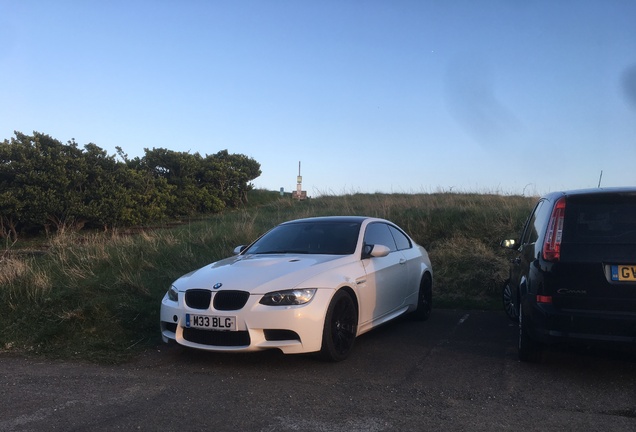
(510, 307)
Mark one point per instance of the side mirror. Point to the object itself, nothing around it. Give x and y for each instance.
(376, 251)
(508, 244)
(239, 249)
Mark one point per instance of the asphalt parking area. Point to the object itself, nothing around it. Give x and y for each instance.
(458, 371)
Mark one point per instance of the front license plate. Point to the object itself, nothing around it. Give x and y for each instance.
(209, 322)
(624, 273)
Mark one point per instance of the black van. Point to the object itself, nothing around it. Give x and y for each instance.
(573, 276)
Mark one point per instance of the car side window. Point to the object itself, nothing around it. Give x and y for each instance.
(531, 231)
(401, 240)
(378, 233)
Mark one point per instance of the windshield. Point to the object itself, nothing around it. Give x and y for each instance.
(325, 238)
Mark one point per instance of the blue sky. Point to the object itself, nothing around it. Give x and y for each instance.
(503, 96)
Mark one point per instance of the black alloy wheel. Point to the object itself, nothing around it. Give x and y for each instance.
(340, 329)
(424, 299)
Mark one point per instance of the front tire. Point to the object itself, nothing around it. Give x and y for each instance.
(340, 329)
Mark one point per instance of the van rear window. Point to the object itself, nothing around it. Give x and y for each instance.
(600, 222)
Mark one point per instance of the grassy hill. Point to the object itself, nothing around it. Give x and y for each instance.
(96, 296)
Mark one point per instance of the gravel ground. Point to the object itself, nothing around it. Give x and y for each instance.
(456, 372)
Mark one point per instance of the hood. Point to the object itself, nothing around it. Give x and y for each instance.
(259, 274)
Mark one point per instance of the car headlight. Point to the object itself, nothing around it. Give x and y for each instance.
(288, 297)
(173, 294)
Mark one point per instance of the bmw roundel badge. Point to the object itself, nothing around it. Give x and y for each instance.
(217, 285)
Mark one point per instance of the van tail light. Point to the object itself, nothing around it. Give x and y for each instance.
(544, 299)
(554, 233)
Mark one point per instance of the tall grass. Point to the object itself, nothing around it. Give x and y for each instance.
(97, 296)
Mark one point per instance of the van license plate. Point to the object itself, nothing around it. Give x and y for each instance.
(624, 273)
(209, 322)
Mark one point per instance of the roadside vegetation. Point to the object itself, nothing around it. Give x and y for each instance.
(47, 186)
(95, 295)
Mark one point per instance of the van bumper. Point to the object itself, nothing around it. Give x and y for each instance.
(550, 324)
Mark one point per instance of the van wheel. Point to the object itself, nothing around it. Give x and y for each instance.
(529, 349)
(510, 306)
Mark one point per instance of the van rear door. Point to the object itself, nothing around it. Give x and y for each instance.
(597, 267)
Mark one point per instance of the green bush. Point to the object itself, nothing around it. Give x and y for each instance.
(53, 187)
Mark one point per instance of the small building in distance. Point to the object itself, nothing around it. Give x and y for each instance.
(299, 193)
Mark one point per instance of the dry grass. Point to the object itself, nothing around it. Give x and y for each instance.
(97, 295)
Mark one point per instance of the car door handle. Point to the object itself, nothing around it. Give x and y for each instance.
(402, 261)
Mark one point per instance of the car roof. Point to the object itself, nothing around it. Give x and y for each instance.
(629, 190)
(357, 219)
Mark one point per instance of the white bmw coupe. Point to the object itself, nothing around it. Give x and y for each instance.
(307, 285)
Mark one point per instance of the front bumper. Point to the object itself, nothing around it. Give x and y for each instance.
(292, 329)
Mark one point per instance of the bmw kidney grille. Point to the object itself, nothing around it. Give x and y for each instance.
(223, 300)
